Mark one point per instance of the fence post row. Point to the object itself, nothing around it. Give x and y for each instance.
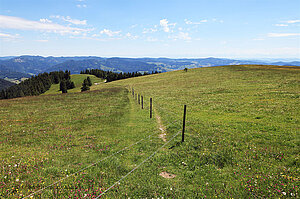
(140, 99)
(183, 124)
(150, 107)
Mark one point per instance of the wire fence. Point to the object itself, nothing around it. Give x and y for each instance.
(93, 164)
(140, 99)
(149, 157)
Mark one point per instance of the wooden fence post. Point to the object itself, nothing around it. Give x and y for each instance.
(139, 98)
(183, 125)
(150, 107)
(142, 99)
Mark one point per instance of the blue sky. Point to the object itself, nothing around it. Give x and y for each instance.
(151, 28)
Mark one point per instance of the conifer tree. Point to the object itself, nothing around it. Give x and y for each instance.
(85, 86)
(63, 86)
(89, 81)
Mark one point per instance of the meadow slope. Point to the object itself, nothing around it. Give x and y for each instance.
(242, 137)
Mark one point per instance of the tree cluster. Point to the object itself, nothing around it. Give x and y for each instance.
(112, 76)
(66, 84)
(86, 84)
(37, 85)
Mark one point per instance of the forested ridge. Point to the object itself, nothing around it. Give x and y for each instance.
(35, 85)
(112, 76)
(40, 83)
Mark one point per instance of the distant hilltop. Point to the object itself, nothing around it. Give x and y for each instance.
(24, 66)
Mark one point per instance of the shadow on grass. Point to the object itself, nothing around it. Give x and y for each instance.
(175, 145)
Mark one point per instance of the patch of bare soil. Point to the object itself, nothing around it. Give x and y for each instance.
(162, 128)
(165, 174)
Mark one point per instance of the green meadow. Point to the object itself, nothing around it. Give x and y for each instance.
(242, 137)
(78, 80)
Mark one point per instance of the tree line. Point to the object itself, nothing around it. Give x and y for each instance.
(112, 76)
(38, 84)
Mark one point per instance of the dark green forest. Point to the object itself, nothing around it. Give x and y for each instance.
(112, 76)
(36, 85)
(5, 84)
(40, 83)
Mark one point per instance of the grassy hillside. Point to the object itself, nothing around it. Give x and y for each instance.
(242, 137)
(78, 80)
(46, 138)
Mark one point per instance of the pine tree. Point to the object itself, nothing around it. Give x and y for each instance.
(89, 81)
(85, 86)
(70, 84)
(21, 93)
(63, 86)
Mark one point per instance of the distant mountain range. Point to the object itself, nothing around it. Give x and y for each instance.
(24, 66)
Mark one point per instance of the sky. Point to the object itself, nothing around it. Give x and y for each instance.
(151, 28)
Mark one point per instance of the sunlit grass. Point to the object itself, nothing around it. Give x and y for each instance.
(242, 137)
(78, 80)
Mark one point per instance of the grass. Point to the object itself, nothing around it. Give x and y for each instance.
(241, 141)
(242, 137)
(45, 138)
(78, 80)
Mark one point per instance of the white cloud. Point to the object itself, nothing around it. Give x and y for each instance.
(195, 23)
(9, 36)
(134, 26)
(8, 22)
(42, 40)
(165, 25)
(45, 21)
(283, 34)
(293, 21)
(281, 25)
(149, 30)
(70, 20)
(224, 42)
(81, 6)
(110, 33)
(151, 39)
(217, 20)
(130, 36)
(181, 36)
